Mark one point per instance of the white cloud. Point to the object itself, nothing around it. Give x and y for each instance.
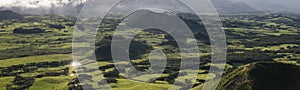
(37, 3)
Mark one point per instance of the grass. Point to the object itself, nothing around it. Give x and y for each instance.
(51, 83)
(4, 81)
(205, 76)
(104, 63)
(149, 76)
(34, 59)
(273, 48)
(125, 84)
(56, 46)
(280, 46)
(54, 40)
(46, 70)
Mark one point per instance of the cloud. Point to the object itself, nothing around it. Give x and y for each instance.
(60, 7)
(37, 3)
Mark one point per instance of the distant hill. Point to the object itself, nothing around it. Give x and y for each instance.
(228, 7)
(274, 6)
(7, 14)
(262, 76)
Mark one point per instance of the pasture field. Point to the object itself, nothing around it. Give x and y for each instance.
(35, 59)
(42, 60)
(51, 83)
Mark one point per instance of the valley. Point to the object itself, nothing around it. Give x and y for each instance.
(36, 53)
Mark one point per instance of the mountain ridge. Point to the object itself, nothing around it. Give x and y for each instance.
(8, 14)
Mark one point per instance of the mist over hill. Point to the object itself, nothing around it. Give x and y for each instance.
(278, 6)
(40, 7)
(233, 8)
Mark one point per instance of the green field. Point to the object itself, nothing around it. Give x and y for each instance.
(33, 60)
(51, 83)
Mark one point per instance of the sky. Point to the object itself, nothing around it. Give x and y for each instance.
(35, 3)
(40, 7)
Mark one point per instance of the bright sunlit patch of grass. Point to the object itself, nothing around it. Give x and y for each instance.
(51, 83)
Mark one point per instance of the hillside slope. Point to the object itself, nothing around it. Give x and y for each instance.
(7, 14)
(262, 76)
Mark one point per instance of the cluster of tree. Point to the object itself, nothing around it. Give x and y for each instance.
(274, 40)
(251, 56)
(56, 26)
(2, 30)
(172, 69)
(28, 31)
(74, 84)
(236, 21)
(31, 51)
(102, 68)
(109, 24)
(65, 71)
(20, 83)
(30, 67)
(288, 20)
(53, 18)
(240, 24)
(112, 74)
(136, 49)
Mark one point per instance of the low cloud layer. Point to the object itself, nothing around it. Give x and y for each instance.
(73, 7)
(60, 7)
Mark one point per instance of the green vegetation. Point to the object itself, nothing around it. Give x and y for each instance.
(34, 59)
(124, 84)
(35, 54)
(51, 83)
(5, 81)
(262, 76)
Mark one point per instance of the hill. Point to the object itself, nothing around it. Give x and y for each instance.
(228, 7)
(7, 14)
(262, 76)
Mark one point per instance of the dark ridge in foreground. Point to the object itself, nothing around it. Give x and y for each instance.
(262, 76)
